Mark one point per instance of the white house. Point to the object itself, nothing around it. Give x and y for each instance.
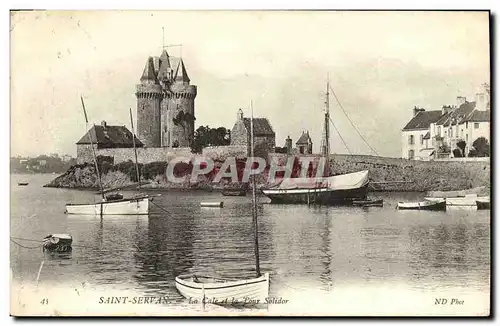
(435, 134)
(416, 142)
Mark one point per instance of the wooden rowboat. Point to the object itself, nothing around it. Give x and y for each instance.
(483, 203)
(234, 192)
(22, 183)
(57, 242)
(369, 202)
(437, 205)
(224, 291)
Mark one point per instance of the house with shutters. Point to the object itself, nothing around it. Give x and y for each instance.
(435, 134)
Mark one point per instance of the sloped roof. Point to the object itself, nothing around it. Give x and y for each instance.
(477, 116)
(423, 120)
(261, 126)
(110, 137)
(457, 115)
(149, 71)
(304, 139)
(427, 135)
(165, 65)
(181, 73)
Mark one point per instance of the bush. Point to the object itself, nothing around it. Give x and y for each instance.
(151, 170)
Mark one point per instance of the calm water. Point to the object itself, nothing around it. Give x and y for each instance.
(313, 253)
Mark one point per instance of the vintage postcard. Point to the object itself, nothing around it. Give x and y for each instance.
(252, 163)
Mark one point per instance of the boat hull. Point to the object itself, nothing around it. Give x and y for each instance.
(369, 203)
(321, 196)
(467, 202)
(439, 205)
(132, 206)
(247, 291)
(483, 204)
(234, 192)
(57, 243)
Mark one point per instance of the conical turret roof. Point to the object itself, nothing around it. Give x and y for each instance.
(149, 71)
(181, 73)
(163, 72)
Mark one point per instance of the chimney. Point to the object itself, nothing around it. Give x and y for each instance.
(103, 124)
(445, 109)
(481, 102)
(416, 110)
(461, 100)
(288, 144)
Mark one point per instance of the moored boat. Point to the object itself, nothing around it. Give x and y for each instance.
(230, 291)
(429, 205)
(468, 201)
(234, 192)
(455, 193)
(339, 189)
(224, 291)
(127, 206)
(22, 183)
(57, 242)
(483, 203)
(369, 203)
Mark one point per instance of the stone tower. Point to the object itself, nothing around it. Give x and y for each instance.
(149, 95)
(175, 119)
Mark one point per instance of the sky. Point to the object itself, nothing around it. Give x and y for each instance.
(380, 65)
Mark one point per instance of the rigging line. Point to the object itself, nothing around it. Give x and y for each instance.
(338, 132)
(345, 113)
(20, 245)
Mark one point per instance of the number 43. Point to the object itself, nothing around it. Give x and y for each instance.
(44, 301)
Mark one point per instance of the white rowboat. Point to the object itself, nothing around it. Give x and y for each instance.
(221, 291)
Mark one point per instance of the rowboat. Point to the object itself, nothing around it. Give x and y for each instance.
(468, 201)
(338, 189)
(22, 183)
(223, 291)
(219, 204)
(429, 205)
(234, 192)
(483, 203)
(138, 205)
(57, 242)
(369, 202)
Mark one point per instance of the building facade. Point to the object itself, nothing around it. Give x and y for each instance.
(304, 144)
(264, 136)
(165, 103)
(436, 134)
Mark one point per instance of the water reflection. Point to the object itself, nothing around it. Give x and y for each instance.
(444, 255)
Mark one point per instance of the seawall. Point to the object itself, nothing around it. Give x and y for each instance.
(386, 174)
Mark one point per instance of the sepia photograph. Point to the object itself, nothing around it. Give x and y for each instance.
(250, 163)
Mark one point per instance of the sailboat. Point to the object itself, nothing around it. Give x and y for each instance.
(326, 190)
(111, 205)
(230, 291)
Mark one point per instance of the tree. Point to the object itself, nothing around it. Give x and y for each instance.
(461, 145)
(481, 148)
(205, 136)
(457, 153)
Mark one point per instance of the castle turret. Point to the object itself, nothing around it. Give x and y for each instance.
(149, 94)
(178, 109)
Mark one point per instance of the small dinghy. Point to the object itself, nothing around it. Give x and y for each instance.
(429, 205)
(369, 203)
(483, 203)
(22, 183)
(224, 291)
(112, 197)
(219, 204)
(57, 242)
(234, 192)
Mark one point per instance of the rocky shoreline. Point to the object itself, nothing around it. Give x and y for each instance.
(386, 175)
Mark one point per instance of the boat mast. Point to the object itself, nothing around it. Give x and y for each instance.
(254, 199)
(135, 150)
(93, 150)
(326, 140)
